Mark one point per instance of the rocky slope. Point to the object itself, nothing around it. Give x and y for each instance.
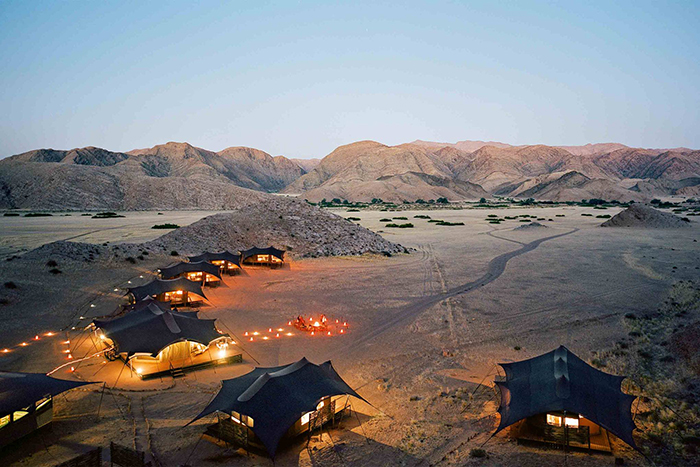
(291, 224)
(641, 216)
(169, 176)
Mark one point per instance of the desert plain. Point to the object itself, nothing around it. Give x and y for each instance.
(425, 332)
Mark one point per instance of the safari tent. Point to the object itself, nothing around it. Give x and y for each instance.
(558, 398)
(154, 341)
(267, 405)
(180, 291)
(228, 262)
(202, 272)
(26, 402)
(269, 257)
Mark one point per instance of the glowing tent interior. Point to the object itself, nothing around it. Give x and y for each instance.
(201, 272)
(558, 398)
(228, 262)
(267, 405)
(270, 257)
(154, 341)
(177, 291)
(26, 402)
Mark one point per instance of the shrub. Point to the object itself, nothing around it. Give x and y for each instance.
(353, 210)
(174, 253)
(442, 201)
(604, 216)
(492, 215)
(106, 215)
(449, 223)
(561, 215)
(385, 220)
(353, 218)
(517, 347)
(436, 220)
(55, 271)
(421, 216)
(38, 214)
(160, 213)
(11, 214)
(51, 263)
(407, 225)
(400, 218)
(10, 285)
(525, 220)
(587, 215)
(131, 260)
(477, 452)
(166, 226)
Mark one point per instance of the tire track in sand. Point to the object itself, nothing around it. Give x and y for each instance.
(494, 270)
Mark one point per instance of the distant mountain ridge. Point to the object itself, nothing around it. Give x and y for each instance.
(422, 169)
(180, 176)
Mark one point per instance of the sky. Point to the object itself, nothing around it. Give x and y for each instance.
(301, 78)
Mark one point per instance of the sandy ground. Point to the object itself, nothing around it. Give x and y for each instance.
(18, 234)
(424, 330)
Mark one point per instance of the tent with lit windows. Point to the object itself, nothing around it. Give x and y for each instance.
(154, 341)
(228, 262)
(268, 404)
(202, 272)
(559, 398)
(176, 291)
(270, 256)
(26, 402)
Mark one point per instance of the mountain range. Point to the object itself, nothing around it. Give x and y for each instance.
(180, 176)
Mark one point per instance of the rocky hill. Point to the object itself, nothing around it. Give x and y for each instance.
(641, 216)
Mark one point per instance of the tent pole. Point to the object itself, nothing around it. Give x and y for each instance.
(360, 422)
(99, 406)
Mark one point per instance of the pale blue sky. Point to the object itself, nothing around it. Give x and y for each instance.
(300, 78)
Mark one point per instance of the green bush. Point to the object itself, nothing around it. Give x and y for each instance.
(408, 225)
(166, 226)
(477, 452)
(449, 223)
(353, 218)
(604, 216)
(385, 220)
(353, 210)
(421, 216)
(400, 218)
(38, 214)
(11, 214)
(587, 215)
(436, 220)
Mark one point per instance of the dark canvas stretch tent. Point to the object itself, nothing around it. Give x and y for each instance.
(268, 404)
(557, 397)
(155, 340)
(227, 261)
(26, 402)
(270, 256)
(145, 303)
(201, 272)
(176, 291)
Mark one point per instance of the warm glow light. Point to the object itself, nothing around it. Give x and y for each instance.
(5, 350)
(280, 329)
(66, 351)
(82, 317)
(345, 323)
(141, 277)
(289, 323)
(72, 369)
(128, 282)
(329, 333)
(139, 371)
(265, 338)
(246, 333)
(316, 324)
(102, 336)
(36, 338)
(116, 290)
(572, 422)
(277, 335)
(256, 333)
(312, 333)
(269, 330)
(49, 334)
(24, 344)
(342, 331)
(222, 353)
(251, 339)
(92, 305)
(553, 420)
(65, 342)
(70, 357)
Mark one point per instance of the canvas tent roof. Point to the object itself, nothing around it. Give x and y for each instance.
(271, 250)
(222, 256)
(151, 329)
(560, 381)
(182, 267)
(277, 397)
(164, 306)
(159, 286)
(19, 390)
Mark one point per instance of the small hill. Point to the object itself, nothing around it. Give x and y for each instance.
(642, 216)
(574, 186)
(531, 226)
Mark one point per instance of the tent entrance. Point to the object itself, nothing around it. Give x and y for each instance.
(564, 430)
